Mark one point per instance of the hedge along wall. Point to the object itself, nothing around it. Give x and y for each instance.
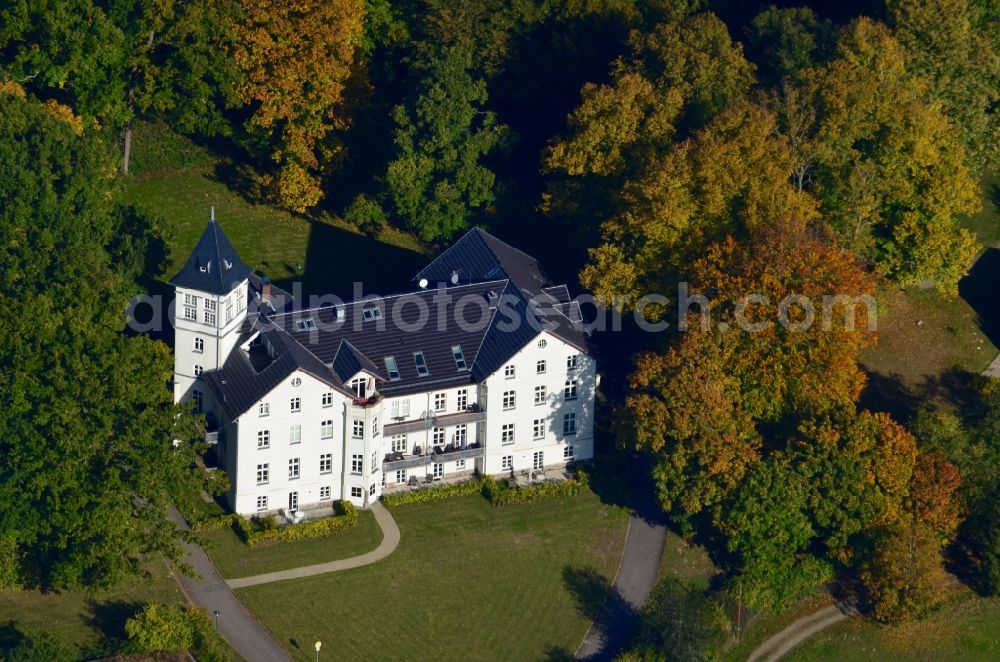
(496, 492)
(254, 534)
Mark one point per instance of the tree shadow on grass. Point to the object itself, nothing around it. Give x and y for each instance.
(109, 619)
(955, 389)
(10, 637)
(598, 601)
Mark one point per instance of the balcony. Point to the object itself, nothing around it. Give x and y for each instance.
(396, 461)
(450, 453)
(366, 402)
(215, 436)
(472, 415)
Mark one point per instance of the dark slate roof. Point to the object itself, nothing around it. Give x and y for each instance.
(237, 386)
(348, 361)
(340, 342)
(214, 266)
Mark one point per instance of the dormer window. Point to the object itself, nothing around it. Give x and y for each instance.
(392, 368)
(307, 324)
(459, 357)
(359, 386)
(372, 313)
(418, 359)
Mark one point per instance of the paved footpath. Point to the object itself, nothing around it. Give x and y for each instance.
(637, 572)
(390, 539)
(236, 624)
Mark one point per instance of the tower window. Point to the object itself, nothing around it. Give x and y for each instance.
(199, 345)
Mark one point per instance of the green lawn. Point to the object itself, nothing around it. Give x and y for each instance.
(79, 619)
(178, 183)
(234, 559)
(468, 581)
(967, 629)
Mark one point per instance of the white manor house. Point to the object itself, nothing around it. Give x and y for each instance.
(480, 367)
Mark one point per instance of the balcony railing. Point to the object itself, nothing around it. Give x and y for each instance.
(451, 453)
(394, 461)
(214, 437)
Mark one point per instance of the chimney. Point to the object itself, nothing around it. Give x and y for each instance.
(493, 298)
(265, 288)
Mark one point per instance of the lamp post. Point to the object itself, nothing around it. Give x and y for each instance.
(318, 645)
(217, 614)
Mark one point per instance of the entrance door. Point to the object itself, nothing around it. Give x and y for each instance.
(293, 501)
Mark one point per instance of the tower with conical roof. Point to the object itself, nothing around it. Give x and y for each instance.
(210, 303)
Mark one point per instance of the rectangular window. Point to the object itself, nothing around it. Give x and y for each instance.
(190, 300)
(229, 310)
(569, 392)
(264, 439)
(295, 435)
(358, 429)
(418, 359)
(263, 473)
(371, 490)
(539, 395)
(375, 429)
(372, 313)
(538, 428)
(569, 423)
(357, 492)
(264, 409)
(438, 470)
(360, 387)
(456, 351)
(326, 463)
(198, 398)
(463, 400)
(508, 399)
(437, 436)
(507, 463)
(440, 402)
(199, 345)
(508, 372)
(571, 362)
(401, 475)
(569, 452)
(459, 464)
(239, 300)
(326, 430)
(261, 503)
(540, 368)
(460, 434)
(357, 464)
(210, 318)
(400, 408)
(293, 468)
(295, 405)
(327, 399)
(391, 368)
(399, 443)
(190, 313)
(507, 433)
(374, 462)
(308, 324)
(198, 370)
(538, 461)
(210, 305)
(324, 493)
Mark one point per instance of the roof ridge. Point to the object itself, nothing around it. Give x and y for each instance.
(377, 297)
(510, 246)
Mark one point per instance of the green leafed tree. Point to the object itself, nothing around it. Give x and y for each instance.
(86, 429)
(437, 184)
(944, 43)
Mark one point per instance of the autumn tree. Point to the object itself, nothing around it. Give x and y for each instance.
(891, 171)
(904, 577)
(943, 43)
(437, 183)
(85, 434)
(296, 60)
(788, 41)
(698, 407)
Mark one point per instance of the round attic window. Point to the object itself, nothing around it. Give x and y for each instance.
(542, 342)
(297, 381)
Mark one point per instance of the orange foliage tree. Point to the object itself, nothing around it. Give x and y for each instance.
(296, 59)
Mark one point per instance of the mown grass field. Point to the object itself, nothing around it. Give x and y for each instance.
(83, 620)
(234, 559)
(968, 629)
(468, 582)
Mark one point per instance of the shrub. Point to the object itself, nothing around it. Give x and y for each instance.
(499, 494)
(36, 646)
(684, 620)
(904, 576)
(168, 628)
(265, 531)
(366, 214)
(434, 493)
